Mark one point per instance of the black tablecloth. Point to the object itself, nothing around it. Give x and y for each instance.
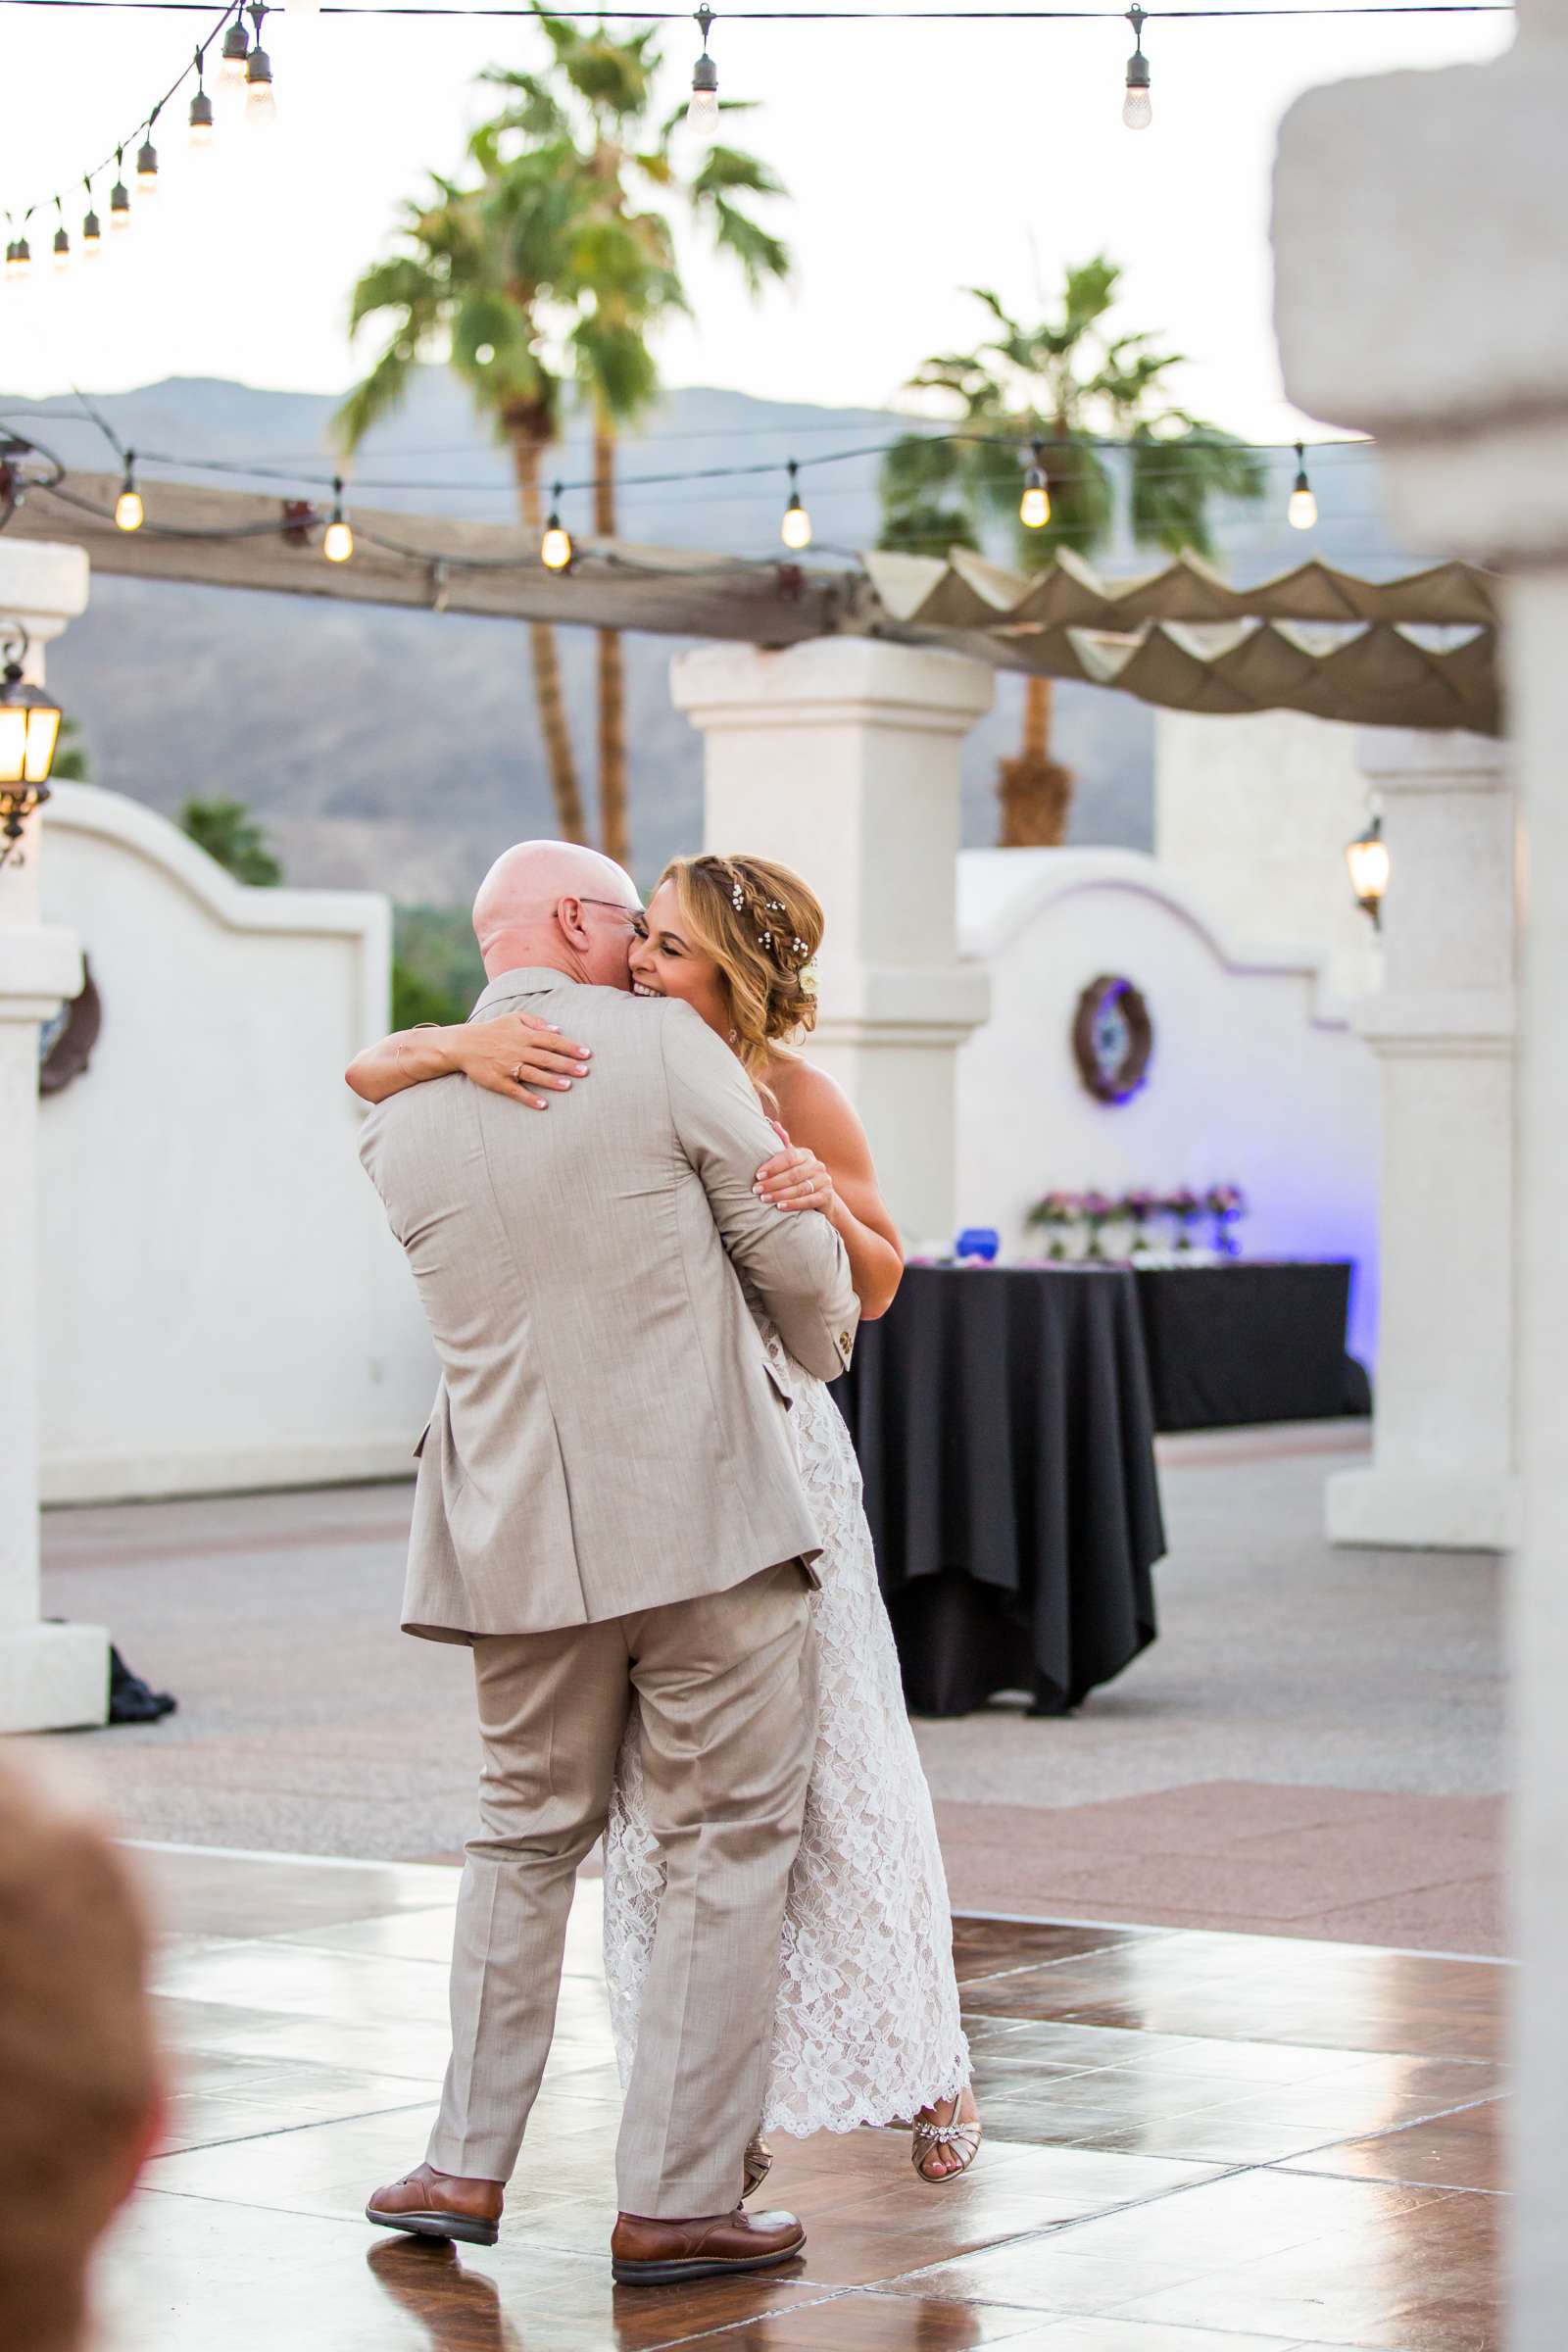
(1003, 1422)
(1244, 1343)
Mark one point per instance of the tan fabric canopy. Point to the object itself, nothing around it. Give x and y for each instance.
(1418, 652)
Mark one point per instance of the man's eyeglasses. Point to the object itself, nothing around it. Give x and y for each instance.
(633, 914)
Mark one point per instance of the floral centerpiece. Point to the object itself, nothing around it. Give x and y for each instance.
(1097, 1211)
(1185, 1208)
(1057, 1213)
(1140, 1205)
(1226, 1204)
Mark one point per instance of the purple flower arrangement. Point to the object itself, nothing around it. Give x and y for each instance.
(1063, 1215)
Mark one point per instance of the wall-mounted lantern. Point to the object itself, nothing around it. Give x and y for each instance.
(30, 729)
(1367, 858)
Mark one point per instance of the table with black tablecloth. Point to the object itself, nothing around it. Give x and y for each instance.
(1003, 1421)
(1252, 1341)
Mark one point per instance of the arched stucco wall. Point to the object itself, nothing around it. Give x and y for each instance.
(1256, 1078)
(222, 1304)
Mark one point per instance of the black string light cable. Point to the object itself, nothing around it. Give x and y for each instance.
(139, 137)
(557, 550)
(246, 61)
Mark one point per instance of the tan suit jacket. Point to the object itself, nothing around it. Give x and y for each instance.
(608, 1435)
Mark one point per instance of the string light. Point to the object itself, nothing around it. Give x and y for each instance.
(147, 164)
(19, 255)
(201, 112)
(260, 106)
(62, 240)
(1034, 508)
(703, 112)
(1301, 510)
(120, 195)
(233, 55)
(555, 548)
(129, 512)
(92, 235)
(796, 528)
(337, 546)
(1137, 109)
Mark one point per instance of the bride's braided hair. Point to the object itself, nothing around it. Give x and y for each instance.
(763, 927)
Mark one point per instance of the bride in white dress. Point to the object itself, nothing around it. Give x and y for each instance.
(866, 2027)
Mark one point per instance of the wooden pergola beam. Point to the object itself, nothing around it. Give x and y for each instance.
(235, 539)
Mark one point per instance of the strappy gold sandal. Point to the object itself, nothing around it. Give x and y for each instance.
(759, 2164)
(962, 2137)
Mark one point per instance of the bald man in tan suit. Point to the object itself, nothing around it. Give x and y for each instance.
(608, 1510)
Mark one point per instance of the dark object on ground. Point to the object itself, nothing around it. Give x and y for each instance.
(129, 1698)
(1003, 1422)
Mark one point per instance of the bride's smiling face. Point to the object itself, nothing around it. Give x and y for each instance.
(668, 963)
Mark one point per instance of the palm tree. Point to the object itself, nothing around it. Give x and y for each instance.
(1071, 384)
(481, 270)
(593, 108)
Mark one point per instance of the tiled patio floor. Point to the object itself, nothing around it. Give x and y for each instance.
(1198, 2142)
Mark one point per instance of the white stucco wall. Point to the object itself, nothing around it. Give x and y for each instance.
(221, 1302)
(1251, 815)
(1256, 1078)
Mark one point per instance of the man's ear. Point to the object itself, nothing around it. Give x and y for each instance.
(575, 931)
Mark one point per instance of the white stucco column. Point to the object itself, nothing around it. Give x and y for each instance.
(1425, 303)
(52, 1677)
(1443, 1029)
(841, 758)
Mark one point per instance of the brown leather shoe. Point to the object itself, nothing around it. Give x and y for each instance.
(645, 2253)
(432, 2204)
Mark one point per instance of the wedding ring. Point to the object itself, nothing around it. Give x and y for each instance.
(517, 1075)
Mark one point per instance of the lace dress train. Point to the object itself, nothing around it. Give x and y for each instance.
(866, 2027)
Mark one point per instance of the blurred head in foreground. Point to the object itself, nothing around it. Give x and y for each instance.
(78, 2074)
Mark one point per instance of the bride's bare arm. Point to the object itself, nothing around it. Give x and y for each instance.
(513, 1055)
(827, 1166)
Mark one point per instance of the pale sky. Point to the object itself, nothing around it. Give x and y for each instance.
(919, 159)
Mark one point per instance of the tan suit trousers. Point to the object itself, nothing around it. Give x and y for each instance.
(726, 1688)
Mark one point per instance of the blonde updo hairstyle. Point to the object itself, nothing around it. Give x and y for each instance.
(763, 927)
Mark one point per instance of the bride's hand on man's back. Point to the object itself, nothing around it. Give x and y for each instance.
(521, 1055)
(795, 1178)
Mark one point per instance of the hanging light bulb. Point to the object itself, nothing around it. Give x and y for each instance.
(260, 106)
(337, 546)
(1301, 511)
(1034, 508)
(201, 111)
(129, 512)
(147, 165)
(62, 240)
(1137, 112)
(796, 528)
(703, 112)
(19, 255)
(233, 57)
(120, 195)
(555, 548)
(92, 235)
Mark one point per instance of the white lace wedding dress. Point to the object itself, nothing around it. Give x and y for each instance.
(867, 2028)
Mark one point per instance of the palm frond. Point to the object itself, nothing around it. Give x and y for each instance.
(374, 397)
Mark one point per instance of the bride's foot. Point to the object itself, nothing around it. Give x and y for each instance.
(947, 2137)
